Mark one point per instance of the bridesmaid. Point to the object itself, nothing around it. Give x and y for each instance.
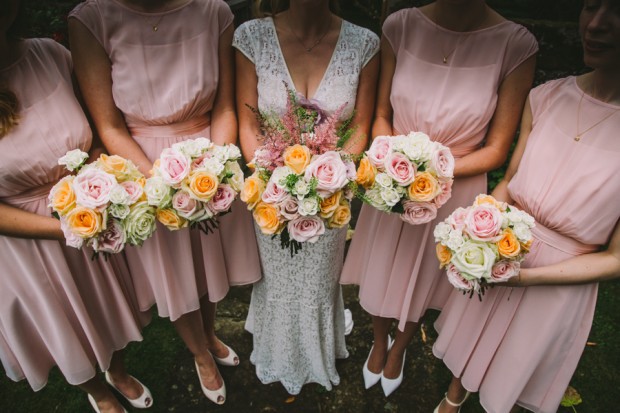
(152, 74)
(521, 346)
(460, 73)
(57, 306)
(296, 313)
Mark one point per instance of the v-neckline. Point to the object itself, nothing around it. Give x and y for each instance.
(288, 73)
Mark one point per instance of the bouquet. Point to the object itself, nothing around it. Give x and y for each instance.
(193, 182)
(301, 179)
(483, 244)
(103, 204)
(406, 174)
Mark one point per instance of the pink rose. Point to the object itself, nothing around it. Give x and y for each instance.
(457, 218)
(112, 240)
(484, 223)
(445, 194)
(289, 208)
(306, 228)
(186, 206)
(381, 146)
(198, 162)
(92, 187)
(134, 190)
(456, 279)
(416, 213)
(351, 171)
(173, 166)
(399, 168)
(330, 172)
(504, 270)
(71, 239)
(222, 199)
(442, 163)
(273, 193)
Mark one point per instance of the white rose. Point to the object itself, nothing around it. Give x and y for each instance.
(119, 211)
(118, 195)
(390, 196)
(158, 193)
(212, 165)
(308, 206)
(374, 197)
(474, 260)
(384, 180)
(234, 152)
(220, 153)
(73, 159)
(522, 232)
(236, 180)
(189, 148)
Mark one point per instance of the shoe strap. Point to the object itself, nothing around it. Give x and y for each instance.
(451, 403)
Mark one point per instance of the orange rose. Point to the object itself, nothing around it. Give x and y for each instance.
(443, 254)
(171, 219)
(252, 191)
(508, 246)
(525, 246)
(366, 173)
(202, 185)
(424, 188)
(62, 197)
(341, 216)
(329, 205)
(84, 222)
(488, 199)
(267, 218)
(297, 157)
(113, 164)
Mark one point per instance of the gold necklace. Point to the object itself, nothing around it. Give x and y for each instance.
(154, 26)
(579, 135)
(443, 48)
(316, 43)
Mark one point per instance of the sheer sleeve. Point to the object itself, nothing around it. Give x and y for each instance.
(521, 46)
(89, 15)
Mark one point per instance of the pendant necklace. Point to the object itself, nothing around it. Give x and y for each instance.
(316, 43)
(579, 134)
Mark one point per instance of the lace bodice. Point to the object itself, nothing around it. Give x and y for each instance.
(258, 41)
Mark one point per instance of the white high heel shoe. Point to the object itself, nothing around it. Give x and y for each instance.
(370, 378)
(231, 360)
(451, 403)
(216, 396)
(389, 385)
(144, 401)
(93, 404)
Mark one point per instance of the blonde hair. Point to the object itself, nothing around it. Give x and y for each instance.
(9, 111)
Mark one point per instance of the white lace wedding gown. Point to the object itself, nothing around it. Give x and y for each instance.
(296, 313)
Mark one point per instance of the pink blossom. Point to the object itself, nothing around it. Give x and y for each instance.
(186, 206)
(71, 239)
(351, 171)
(445, 194)
(134, 190)
(273, 193)
(223, 199)
(456, 279)
(112, 240)
(504, 270)
(306, 228)
(416, 213)
(289, 208)
(380, 148)
(173, 166)
(198, 162)
(457, 218)
(330, 172)
(399, 168)
(92, 187)
(484, 223)
(442, 163)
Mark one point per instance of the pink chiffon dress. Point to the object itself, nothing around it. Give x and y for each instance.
(522, 345)
(57, 306)
(164, 82)
(394, 262)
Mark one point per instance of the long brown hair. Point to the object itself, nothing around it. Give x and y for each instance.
(9, 111)
(264, 8)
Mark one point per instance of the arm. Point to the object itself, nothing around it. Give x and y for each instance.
(511, 96)
(15, 222)
(247, 94)
(223, 117)
(93, 70)
(582, 269)
(383, 112)
(364, 107)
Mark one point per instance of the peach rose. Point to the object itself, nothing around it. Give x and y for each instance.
(267, 218)
(62, 197)
(171, 219)
(329, 204)
(252, 191)
(84, 222)
(340, 217)
(202, 185)
(488, 199)
(424, 188)
(444, 255)
(525, 246)
(366, 173)
(508, 246)
(297, 157)
(113, 164)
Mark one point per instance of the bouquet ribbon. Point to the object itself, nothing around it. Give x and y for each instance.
(184, 128)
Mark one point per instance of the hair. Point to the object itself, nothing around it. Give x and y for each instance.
(264, 8)
(9, 111)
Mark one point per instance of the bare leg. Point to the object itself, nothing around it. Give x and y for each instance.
(106, 402)
(208, 310)
(123, 381)
(190, 328)
(378, 355)
(456, 393)
(395, 356)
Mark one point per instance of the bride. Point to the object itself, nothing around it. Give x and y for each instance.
(296, 313)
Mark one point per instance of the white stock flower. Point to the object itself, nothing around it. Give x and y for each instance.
(442, 232)
(279, 175)
(212, 165)
(309, 206)
(455, 240)
(73, 159)
(522, 232)
(301, 188)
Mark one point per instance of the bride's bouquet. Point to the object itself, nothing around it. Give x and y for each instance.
(103, 204)
(406, 174)
(483, 244)
(300, 184)
(193, 182)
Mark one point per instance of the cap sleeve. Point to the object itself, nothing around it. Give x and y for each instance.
(89, 15)
(393, 28)
(370, 46)
(542, 97)
(244, 41)
(521, 46)
(225, 16)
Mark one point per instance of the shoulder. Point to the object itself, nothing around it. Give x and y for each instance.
(543, 96)
(399, 18)
(49, 53)
(360, 36)
(86, 9)
(254, 27)
(517, 36)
